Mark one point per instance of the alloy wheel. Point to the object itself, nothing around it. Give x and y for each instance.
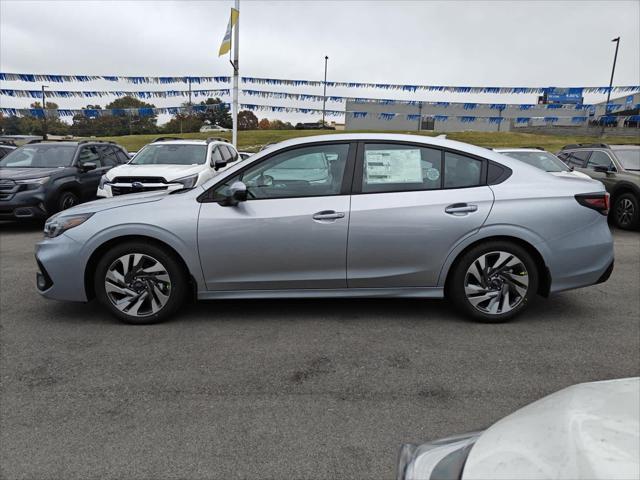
(624, 212)
(496, 282)
(68, 202)
(138, 284)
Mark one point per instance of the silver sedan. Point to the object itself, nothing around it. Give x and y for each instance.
(351, 215)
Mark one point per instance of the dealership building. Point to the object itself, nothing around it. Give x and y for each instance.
(369, 114)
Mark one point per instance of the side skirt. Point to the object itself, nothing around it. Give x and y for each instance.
(407, 292)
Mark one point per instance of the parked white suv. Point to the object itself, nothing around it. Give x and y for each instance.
(169, 164)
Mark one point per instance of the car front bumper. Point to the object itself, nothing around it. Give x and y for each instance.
(26, 204)
(61, 269)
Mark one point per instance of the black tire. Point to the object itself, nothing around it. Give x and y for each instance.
(626, 212)
(458, 276)
(66, 200)
(176, 292)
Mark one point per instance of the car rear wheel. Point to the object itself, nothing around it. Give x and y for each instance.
(140, 283)
(626, 212)
(493, 282)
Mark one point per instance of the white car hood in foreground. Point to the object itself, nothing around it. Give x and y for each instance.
(587, 431)
(168, 172)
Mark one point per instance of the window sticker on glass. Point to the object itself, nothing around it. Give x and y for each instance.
(393, 166)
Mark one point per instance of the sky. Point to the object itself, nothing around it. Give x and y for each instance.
(499, 43)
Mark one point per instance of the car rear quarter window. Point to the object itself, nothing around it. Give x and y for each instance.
(396, 168)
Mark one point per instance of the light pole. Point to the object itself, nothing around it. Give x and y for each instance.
(324, 95)
(44, 114)
(613, 70)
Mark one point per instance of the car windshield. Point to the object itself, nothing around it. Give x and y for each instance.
(543, 160)
(630, 159)
(170, 155)
(40, 156)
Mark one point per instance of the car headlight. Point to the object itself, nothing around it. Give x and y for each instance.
(187, 182)
(33, 181)
(59, 224)
(103, 181)
(440, 459)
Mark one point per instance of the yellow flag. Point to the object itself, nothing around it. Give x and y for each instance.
(225, 46)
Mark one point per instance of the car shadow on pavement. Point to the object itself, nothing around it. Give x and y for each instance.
(22, 226)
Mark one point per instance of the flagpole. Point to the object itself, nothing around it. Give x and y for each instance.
(236, 67)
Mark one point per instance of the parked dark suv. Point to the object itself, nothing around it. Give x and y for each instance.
(44, 177)
(618, 167)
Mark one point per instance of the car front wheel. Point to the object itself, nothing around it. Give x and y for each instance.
(626, 214)
(494, 281)
(140, 283)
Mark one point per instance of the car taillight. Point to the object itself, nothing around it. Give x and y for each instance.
(596, 201)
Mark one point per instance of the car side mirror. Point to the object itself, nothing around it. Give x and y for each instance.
(237, 193)
(218, 164)
(87, 167)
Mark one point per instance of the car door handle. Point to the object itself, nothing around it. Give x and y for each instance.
(460, 209)
(328, 215)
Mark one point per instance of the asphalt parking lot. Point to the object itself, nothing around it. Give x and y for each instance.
(309, 389)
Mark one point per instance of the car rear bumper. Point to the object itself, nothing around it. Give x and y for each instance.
(582, 258)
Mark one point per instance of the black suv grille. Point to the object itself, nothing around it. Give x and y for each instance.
(7, 188)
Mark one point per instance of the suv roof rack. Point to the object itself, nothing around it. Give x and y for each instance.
(585, 145)
(92, 141)
(164, 139)
(216, 139)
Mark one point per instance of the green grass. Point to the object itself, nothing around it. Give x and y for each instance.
(253, 140)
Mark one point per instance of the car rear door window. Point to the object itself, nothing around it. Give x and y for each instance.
(577, 159)
(396, 168)
(461, 171)
(108, 156)
(121, 156)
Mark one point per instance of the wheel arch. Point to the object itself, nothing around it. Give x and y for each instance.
(622, 188)
(98, 252)
(544, 274)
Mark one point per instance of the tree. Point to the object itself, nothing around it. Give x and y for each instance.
(280, 125)
(216, 116)
(264, 124)
(182, 123)
(247, 120)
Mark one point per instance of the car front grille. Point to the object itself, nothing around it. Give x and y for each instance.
(121, 190)
(139, 179)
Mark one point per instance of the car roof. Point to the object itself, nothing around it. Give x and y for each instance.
(625, 147)
(522, 149)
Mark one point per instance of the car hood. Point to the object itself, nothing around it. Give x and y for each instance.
(590, 430)
(24, 173)
(118, 201)
(168, 172)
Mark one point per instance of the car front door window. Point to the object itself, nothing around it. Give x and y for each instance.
(600, 159)
(304, 172)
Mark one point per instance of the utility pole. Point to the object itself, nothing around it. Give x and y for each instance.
(189, 95)
(236, 69)
(44, 114)
(613, 70)
(324, 95)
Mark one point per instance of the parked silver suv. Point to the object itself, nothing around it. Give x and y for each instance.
(351, 215)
